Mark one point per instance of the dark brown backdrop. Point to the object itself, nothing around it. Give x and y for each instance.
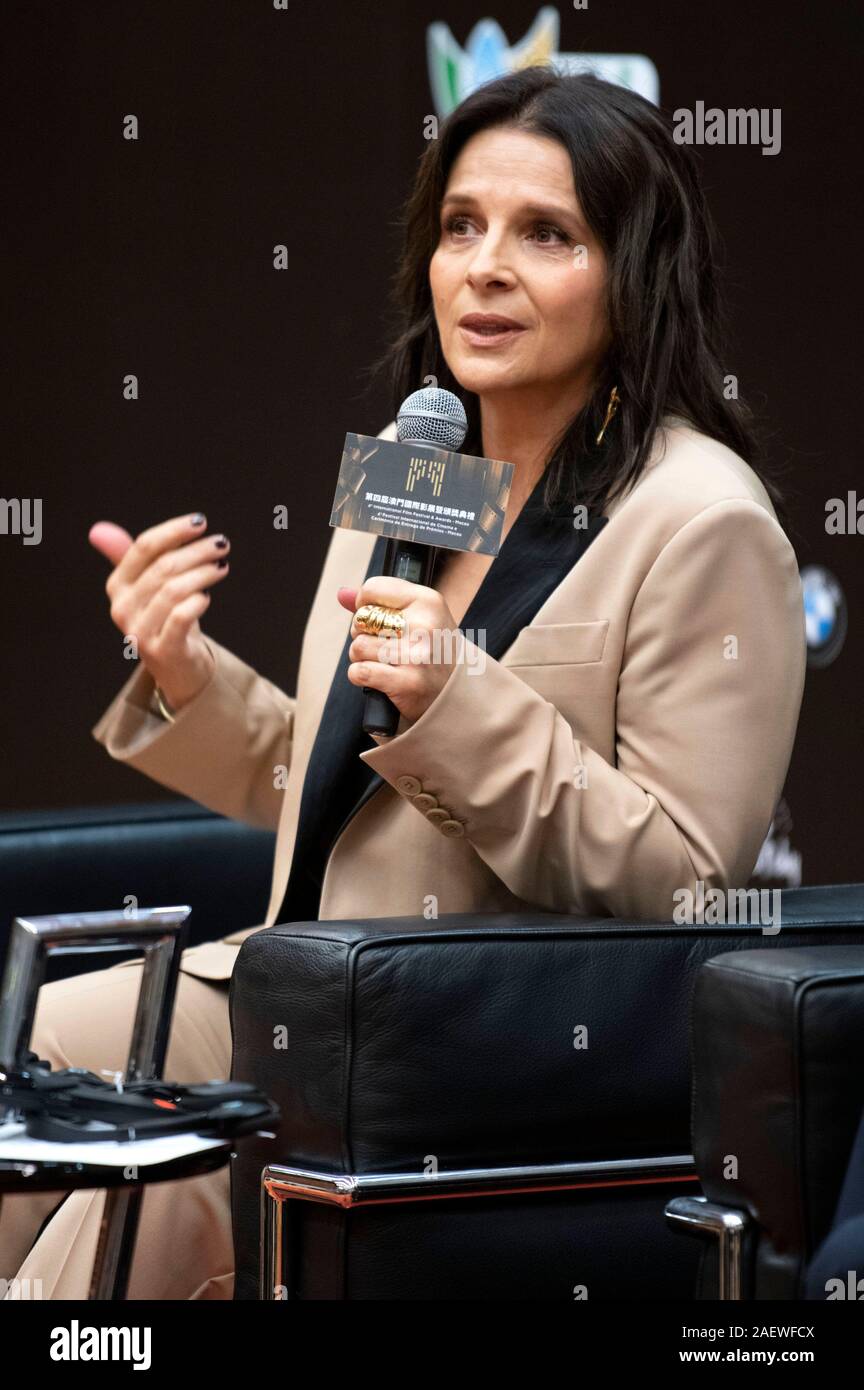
(155, 258)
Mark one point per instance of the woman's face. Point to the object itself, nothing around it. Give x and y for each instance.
(514, 242)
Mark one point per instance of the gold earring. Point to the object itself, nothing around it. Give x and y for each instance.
(614, 401)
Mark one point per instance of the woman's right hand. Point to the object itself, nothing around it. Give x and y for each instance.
(156, 597)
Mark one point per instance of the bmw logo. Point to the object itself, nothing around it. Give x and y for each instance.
(825, 615)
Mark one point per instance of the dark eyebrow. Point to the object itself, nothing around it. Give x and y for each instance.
(536, 209)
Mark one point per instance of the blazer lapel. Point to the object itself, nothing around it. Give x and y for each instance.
(536, 556)
(336, 779)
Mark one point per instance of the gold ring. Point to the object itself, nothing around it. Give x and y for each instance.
(375, 619)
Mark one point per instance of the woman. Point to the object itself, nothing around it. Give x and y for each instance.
(620, 729)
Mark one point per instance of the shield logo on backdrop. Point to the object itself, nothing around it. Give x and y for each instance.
(454, 71)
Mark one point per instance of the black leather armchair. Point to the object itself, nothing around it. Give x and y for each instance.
(488, 1107)
(778, 1095)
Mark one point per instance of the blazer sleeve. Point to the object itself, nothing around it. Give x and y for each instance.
(223, 747)
(708, 699)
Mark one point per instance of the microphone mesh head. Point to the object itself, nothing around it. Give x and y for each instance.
(432, 416)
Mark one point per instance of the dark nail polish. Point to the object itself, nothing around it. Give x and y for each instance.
(221, 542)
(221, 564)
(197, 519)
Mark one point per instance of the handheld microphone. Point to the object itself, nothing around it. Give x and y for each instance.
(429, 416)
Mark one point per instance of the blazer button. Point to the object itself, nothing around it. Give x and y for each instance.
(437, 814)
(410, 786)
(451, 828)
(425, 801)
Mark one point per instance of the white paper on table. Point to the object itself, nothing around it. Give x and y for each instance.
(17, 1146)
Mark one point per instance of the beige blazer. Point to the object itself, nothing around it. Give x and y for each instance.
(631, 741)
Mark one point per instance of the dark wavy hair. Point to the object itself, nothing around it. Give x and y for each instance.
(641, 194)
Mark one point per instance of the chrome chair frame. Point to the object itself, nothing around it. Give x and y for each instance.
(728, 1225)
(281, 1186)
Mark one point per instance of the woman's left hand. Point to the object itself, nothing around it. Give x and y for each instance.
(410, 669)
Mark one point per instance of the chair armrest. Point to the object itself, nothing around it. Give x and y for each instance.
(778, 1090)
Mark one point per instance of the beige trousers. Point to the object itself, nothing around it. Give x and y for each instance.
(184, 1248)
